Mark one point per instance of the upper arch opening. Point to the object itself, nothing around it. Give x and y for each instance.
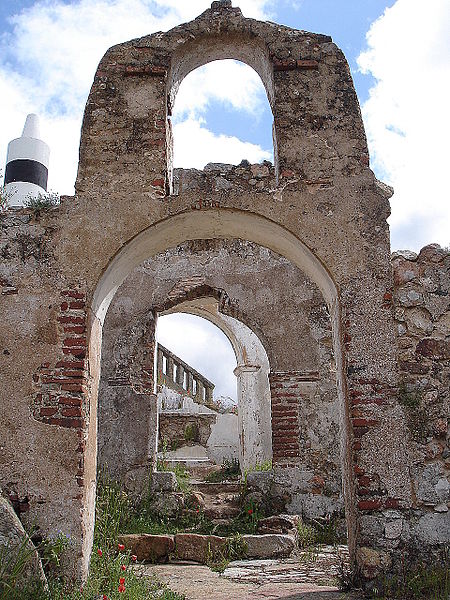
(222, 115)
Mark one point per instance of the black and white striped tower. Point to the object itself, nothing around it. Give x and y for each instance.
(27, 159)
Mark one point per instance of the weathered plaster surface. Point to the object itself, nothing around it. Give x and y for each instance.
(325, 213)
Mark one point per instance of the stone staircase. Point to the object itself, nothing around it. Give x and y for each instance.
(219, 503)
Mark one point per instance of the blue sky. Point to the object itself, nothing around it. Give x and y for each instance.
(398, 52)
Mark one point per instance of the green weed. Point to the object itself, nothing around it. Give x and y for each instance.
(42, 202)
(230, 469)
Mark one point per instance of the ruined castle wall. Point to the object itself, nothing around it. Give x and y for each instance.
(422, 312)
(325, 212)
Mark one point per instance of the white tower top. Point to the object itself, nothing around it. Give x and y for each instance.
(31, 128)
(27, 160)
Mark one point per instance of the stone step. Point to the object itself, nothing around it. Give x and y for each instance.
(204, 548)
(213, 489)
(221, 512)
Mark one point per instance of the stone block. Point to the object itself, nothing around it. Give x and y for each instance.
(14, 538)
(153, 548)
(434, 528)
(269, 546)
(260, 481)
(372, 562)
(285, 524)
(198, 548)
(163, 481)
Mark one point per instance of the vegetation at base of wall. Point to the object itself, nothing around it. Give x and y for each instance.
(189, 517)
(416, 415)
(191, 432)
(13, 562)
(314, 532)
(42, 202)
(419, 582)
(229, 470)
(110, 570)
(258, 467)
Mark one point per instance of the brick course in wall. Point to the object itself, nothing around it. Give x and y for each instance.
(285, 388)
(61, 388)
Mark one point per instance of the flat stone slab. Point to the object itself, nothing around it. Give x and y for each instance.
(148, 547)
(198, 548)
(258, 579)
(271, 545)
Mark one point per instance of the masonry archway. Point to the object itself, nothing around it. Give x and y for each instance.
(252, 372)
(225, 224)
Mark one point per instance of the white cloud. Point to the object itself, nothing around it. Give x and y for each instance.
(406, 117)
(49, 56)
(203, 346)
(195, 146)
(226, 81)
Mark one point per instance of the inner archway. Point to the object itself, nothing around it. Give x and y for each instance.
(253, 445)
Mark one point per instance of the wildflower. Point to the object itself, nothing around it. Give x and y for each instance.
(105, 597)
(134, 557)
(123, 567)
(250, 511)
(99, 552)
(121, 547)
(121, 588)
(198, 509)
(122, 580)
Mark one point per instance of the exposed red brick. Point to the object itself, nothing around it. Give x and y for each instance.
(75, 329)
(158, 183)
(73, 294)
(64, 422)
(369, 504)
(307, 65)
(69, 401)
(75, 341)
(70, 364)
(73, 387)
(360, 431)
(76, 305)
(72, 412)
(48, 411)
(392, 503)
(72, 319)
(79, 352)
(361, 422)
(284, 65)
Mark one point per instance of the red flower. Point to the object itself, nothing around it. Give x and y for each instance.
(121, 547)
(134, 557)
(198, 509)
(123, 567)
(250, 511)
(99, 552)
(104, 597)
(122, 580)
(121, 588)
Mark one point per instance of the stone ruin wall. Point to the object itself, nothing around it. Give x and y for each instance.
(325, 212)
(422, 313)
